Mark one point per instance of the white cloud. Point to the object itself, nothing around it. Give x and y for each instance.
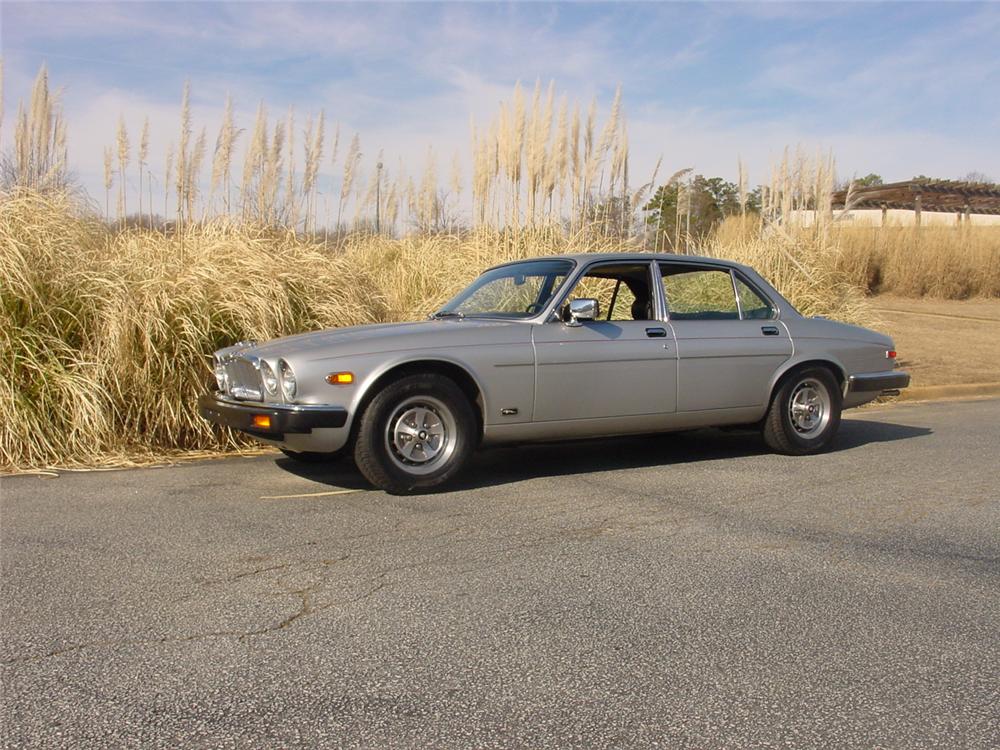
(410, 76)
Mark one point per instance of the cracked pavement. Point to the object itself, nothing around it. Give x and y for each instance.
(688, 590)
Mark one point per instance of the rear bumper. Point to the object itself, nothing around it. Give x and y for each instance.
(290, 419)
(878, 381)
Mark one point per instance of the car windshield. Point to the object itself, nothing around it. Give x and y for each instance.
(520, 290)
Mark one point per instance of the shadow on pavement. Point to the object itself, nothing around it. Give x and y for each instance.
(507, 464)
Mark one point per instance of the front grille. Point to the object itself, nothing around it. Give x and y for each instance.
(243, 380)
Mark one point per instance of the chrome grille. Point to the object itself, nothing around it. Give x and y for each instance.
(243, 380)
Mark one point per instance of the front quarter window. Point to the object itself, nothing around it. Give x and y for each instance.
(520, 290)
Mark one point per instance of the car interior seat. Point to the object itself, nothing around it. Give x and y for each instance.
(642, 309)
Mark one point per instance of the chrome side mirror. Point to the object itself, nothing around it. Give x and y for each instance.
(583, 309)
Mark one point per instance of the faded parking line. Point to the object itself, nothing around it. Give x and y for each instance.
(308, 494)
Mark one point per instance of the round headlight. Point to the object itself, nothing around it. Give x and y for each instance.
(288, 384)
(268, 378)
(220, 374)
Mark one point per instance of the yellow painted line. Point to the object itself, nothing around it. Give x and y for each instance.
(309, 494)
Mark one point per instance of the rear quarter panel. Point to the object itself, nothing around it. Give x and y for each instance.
(852, 349)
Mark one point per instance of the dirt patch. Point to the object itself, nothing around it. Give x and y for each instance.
(943, 342)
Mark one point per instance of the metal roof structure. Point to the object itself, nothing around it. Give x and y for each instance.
(946, 196)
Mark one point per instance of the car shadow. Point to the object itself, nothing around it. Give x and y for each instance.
(508, 464)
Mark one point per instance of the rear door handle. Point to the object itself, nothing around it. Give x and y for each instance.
(656, 333)
(769, 330)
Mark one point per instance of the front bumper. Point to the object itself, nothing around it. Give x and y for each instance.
(286, 419)
(878, 382)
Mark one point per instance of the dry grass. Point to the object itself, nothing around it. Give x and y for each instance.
(935, 261)
(805, 267)
(941, 262)
(105, 331)
(948, 262)
(105, 334)
(536, 164)
(944, 342)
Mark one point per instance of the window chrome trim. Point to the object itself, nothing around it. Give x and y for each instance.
(571, 283)
(775, 310)
(736, 293)
(734, 273)
(662, 312)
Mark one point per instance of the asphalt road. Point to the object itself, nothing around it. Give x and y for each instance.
(680, 591)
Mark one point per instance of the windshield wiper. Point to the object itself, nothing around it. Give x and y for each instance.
(447, 314)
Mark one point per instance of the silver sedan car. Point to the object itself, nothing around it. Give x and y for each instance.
(550, 349)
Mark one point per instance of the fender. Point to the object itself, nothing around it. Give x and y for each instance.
(800, 358)
(404, 359)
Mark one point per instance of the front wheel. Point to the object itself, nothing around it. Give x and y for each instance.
(804, 414)
(416, 434)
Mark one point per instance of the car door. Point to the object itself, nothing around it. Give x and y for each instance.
(729, 344)
(620, 365)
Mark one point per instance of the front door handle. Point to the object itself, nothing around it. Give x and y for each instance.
(656, 333)
(769, 330)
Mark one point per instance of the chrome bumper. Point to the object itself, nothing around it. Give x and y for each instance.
(285, 419)
(878, 381)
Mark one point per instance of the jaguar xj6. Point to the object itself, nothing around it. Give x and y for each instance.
(551, 349)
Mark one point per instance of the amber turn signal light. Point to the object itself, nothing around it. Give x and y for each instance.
(262, 421)
(340, 378)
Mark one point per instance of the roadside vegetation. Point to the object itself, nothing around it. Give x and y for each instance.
(110, 308)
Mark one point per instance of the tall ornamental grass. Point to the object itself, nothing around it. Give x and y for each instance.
(106, 333)
(935, 261)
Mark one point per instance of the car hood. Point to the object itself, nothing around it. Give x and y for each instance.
(370, 339)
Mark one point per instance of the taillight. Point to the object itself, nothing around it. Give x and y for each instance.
(891, 354)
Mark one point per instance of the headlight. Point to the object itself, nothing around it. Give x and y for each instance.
(287, 379)
(220, 374)
(268, 378)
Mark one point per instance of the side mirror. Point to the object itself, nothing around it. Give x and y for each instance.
(583, 309)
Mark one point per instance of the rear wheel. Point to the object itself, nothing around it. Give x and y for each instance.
(416, 434)
(804, 414)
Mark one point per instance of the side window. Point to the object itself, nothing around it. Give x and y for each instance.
(753, 305)
(696, 293)
(622, 290)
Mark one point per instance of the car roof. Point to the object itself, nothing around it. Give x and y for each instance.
(636, 256)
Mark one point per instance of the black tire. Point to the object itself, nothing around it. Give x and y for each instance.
(809, 431)
(312, 457)
(427, 415)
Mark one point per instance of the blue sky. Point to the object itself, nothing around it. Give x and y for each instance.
(897, 88)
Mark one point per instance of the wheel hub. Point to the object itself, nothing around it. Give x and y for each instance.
(421, 434)
(809, 408)
(418, 434)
